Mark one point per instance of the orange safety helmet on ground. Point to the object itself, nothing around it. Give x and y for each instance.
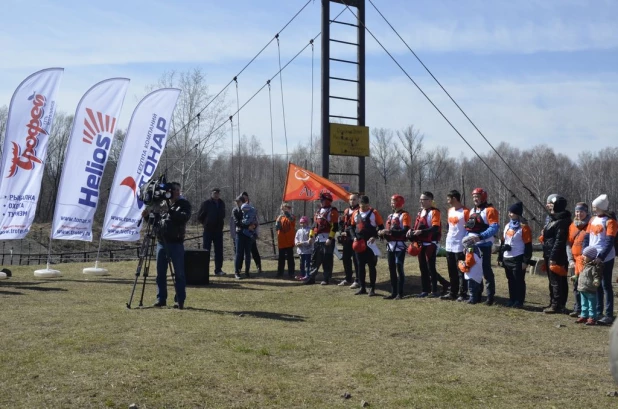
(414, 249)
(359, 245)
(481, 192)
(399, 200)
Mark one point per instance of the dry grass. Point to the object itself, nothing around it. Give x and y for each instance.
(70, 342)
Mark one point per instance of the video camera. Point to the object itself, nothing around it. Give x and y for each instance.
(155, 190)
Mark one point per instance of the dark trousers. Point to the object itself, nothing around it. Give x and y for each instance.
(243, 252)
(551, 293)
(476, 289)
(286, 253)
(322, 256)
(349, 259)
(429, 274)
(367, 258)
(395, 268)
(559, 290)
(455, 276)
(515, 276)
(217, 238)
(577, 304)
(176, 253)
(605, 291)
(256, 255)
(488, 272)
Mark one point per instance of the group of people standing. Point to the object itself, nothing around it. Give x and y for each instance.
(583, 245)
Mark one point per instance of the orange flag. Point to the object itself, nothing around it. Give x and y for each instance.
(306, 186)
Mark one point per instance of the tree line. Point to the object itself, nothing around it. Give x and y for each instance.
(201, 157)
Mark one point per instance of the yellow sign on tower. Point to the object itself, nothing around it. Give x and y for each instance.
(349, 140)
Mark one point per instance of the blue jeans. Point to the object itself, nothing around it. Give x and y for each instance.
(305, 264)
(176, 252)
(605, 290)
(589, 305)
(243, 252)
(475, 290)
(214, 237)
(488, 272)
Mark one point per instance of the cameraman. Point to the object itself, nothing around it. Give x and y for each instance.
(171, 235)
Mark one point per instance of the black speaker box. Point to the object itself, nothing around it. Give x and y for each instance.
(197, 266)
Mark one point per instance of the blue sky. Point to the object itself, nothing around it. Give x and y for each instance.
(527, 72)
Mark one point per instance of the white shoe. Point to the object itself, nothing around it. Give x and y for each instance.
(344, 282)
(355, 285)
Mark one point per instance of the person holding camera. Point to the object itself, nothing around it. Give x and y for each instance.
(170, 246)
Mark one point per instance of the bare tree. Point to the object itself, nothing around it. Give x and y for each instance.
(54, 163)
(4, 114)
(192, 138)
(411, 153)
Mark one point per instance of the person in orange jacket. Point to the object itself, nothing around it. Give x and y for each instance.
(427, 231)
(325, 225)
(286, 230)
(366, 222)
(577, 231)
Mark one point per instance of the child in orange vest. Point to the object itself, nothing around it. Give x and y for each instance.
(286, 230)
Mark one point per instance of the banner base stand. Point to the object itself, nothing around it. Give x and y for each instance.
(47, 273)
(3, 276)
(96, 271)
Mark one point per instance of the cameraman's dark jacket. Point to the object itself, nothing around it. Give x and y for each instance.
(173, 224)
(212, 215)
(555, 235)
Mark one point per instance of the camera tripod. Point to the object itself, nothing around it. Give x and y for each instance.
(145, 255)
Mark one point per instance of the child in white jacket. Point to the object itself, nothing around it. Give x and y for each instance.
(304, 247)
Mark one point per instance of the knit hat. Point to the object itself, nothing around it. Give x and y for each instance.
(517, 208)
(304, 219)
(560, 204)
(581, 206)
(601, 202)
(590, 252)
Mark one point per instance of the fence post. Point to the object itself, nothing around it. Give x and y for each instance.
(272, 236)
(111, 256)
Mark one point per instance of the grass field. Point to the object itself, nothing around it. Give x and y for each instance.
(70, 342)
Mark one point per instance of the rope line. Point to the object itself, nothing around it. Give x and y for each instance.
(311, 124)
(240, 72)
(272, 148)
(436, 108)
(263, 86)
(239, 136)
(457, 105)
(285, 132)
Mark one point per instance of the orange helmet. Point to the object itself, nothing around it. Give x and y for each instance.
(479, 191)
(399, 200)
(414, 249)
(359, 246)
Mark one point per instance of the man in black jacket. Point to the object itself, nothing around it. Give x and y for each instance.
(212, 216)
(555, 236)
(170, 246)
